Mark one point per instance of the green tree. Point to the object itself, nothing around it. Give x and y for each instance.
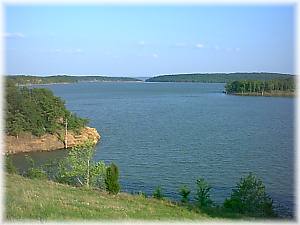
(249, 197)
(78, 167)
(112, 179)
(202, 194)
(184, 192)
(158, 194)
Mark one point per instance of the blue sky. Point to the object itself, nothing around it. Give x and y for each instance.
(148, 40)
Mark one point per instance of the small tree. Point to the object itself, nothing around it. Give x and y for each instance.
(202, 194)
(184, 192)
(249, 197)
(78, 168)
(112, 179)
(158, 193)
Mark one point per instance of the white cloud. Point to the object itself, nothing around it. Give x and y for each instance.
(57, 50)
(14, 35)
(142, 43)
(199, 45)
(154, 55)
(77, 51)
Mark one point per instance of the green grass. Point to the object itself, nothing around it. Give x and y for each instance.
(46, 200)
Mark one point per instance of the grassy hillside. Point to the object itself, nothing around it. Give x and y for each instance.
(46, 200)
(217, 77)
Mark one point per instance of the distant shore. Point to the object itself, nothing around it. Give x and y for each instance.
(118, 81)
(266, 94)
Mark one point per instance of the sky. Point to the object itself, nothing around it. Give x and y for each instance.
(144, 41)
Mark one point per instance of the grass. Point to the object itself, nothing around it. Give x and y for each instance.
(46, 200)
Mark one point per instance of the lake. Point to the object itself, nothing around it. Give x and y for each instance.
(170, 134)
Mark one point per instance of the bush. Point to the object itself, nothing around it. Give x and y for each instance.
(250, 198)
(158, 193)
(33, 171)
(202, 194)
(112, 179)
(36, 173)
(9, 166)
(184, 192)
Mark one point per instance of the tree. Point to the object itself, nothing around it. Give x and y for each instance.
(202, 194)
(112, 179)
(184, 192)
(249, 197)
(79, 167)
(158, 194)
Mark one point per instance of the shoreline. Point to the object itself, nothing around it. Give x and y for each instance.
(42, 84)
(265, 94)
(48, 142)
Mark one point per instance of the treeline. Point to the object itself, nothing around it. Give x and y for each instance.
(37, 111)
(24, 79)
(252, 86)
(217, 77)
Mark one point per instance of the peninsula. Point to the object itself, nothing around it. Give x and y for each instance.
(36, 120)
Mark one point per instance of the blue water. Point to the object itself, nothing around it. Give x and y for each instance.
(170, 134)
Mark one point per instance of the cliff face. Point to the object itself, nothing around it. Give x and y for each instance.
(48, 142)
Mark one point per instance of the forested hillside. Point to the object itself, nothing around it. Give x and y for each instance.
(23, 79)
(37, 111)
(252, 86)
(217, 77)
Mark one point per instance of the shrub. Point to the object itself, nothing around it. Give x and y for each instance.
(9, 166)
(36, 173)
(184, 192)
(142, 194)
(158, 193)
(112, 179)
(33, 171)
(249, 197)
(202, 194)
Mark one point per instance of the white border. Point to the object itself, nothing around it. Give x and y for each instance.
(158, 2)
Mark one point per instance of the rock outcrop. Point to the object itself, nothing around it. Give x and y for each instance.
(48, 142)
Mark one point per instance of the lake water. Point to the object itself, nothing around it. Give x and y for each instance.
(170, 134)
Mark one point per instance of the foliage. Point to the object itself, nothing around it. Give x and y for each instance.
(217, 77)
(37, 111)
(249, 197)
(260, 86)
(202, 195)
(158, 193)
(142, 194)
(9, 166)
(112, 179)
(34, 172)
(24, 79)
(79, 169)
(184, 193)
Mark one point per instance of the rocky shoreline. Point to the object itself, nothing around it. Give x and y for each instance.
(48, 142)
